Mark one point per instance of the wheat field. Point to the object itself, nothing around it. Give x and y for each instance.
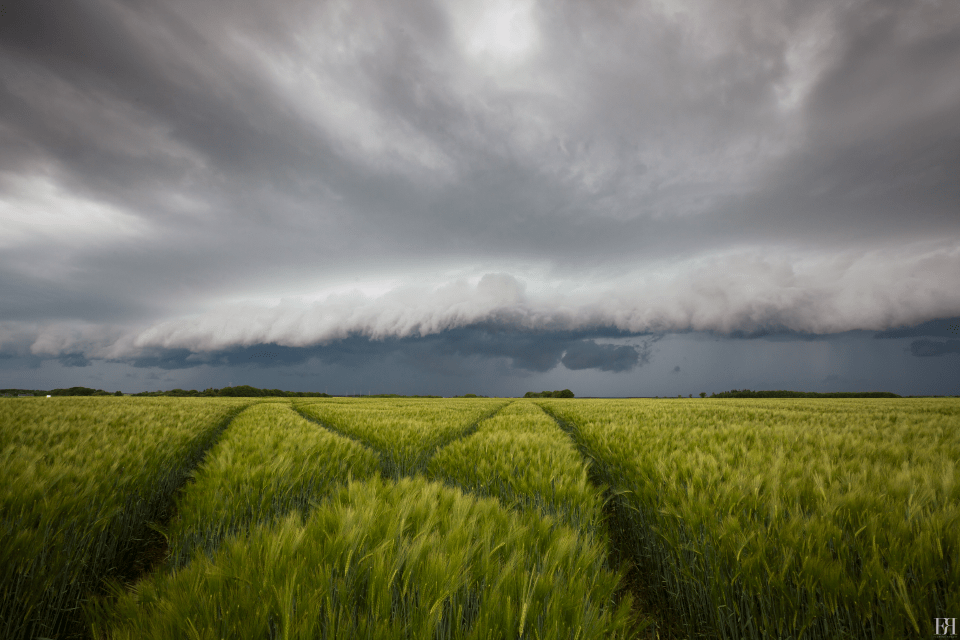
(478, 518)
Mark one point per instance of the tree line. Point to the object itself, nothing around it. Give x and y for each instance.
(246, 391)
(242, 391)
(72, 391)
(566, 393)
(746, 393)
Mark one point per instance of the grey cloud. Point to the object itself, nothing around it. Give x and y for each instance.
(933, 348)
(933, 328)
(587, 354)
(170, 359)
(763, 170)
(446, 351)
(530, 351)
(228, 114)
(26, 296)
(74, 360)
(874, 43)
(526, 350)
(882, 131)
(745, 296)
(716, 366)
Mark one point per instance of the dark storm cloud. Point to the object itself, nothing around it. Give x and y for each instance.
(169, 359)
(933, 348)
(756, 170)
(933, 328)
(256, 356)
(777, 333)
(74, 360)
(587, 354)
(530, 351)
(522, 351)
(542, 351)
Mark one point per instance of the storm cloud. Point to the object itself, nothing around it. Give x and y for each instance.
(932, 348)
(590, 355)
(185, 185)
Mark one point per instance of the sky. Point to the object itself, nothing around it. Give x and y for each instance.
(481, 196)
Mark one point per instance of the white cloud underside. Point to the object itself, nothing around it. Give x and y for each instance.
(743, 291)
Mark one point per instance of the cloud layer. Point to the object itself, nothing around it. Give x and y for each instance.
(181, 179)
(731, 294)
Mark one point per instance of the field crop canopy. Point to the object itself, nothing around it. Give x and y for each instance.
(523, 458)
(80, 478)
(405, 432)
(383, 559)
(270, 462)
(786, 518)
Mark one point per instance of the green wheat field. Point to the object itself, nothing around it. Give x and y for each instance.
(216, 518)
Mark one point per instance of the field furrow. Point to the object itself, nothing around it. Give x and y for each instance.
(269, 463)
(772, 518)
(522, 458)
(80, 479)
(386, 559)
(406, 433)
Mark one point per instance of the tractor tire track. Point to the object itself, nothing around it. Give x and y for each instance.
(650, 603)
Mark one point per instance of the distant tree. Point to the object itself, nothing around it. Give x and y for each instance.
(118, 393)
(78, 391)
(703, 394)
(242, 391)
(679, 395)
(565, 393)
